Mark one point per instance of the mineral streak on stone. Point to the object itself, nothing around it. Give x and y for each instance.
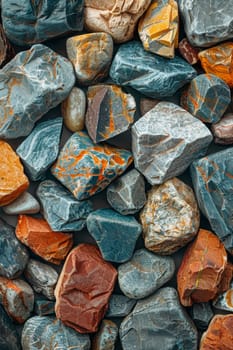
(32, 83)
(188, 52)
(223, 130)
(37, 21)
(158, 322)
(6, 50)
(84, 288)
(158, 28)
(43, 307)
(106, 337)
(166, 140)
(85, 168)
(9, 338)
(110, 112)
(225, 300)
(40, 149)
(38, 236)
(62, 211)
(119, 306)
(116, 235)
(146, 104)
(144, 274)
(201, 314)
(24, 204)
(73, 110)
(150, 74)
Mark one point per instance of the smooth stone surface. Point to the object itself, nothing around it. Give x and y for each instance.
(146, 104)
(188, 52)
(223, 130)
(119, 306)
(43, 307)
(224, 301)
(6, 50)
(116, 235)
(24, 204)
(31, 84)
(9, 338)
(166, 140)
(85, 168)
(150, 74)
(73, 110)
(201, 314)
(158, 322)
(106, 337)
(62, 211)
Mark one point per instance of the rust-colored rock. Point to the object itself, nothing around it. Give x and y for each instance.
(38, 236)
(6, 50)
(226, 278)
(188, 52)
(84, 288)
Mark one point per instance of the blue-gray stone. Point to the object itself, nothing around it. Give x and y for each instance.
(9, 338)
(43, 307)
(40, 149)
(150, 74)
(61, 209)
(119, 306)
(106, 336)
(201, 314)
(115, 234)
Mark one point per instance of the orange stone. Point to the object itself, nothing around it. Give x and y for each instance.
(38, 236)
(13, 181)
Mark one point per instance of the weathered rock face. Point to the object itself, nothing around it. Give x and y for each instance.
(225, 300)
(223, 130)
(119, 306)
(6, 50)
(24, 204)
(48, 77)
(73, 110)
(9, 338)
(84, 288)
(188, 52)
(43, 307)
(106, 337)
(201, 314)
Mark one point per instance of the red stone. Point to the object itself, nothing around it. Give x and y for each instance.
(188, 52)
(225, 282)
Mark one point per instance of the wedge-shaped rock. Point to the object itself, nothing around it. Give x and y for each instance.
(106, 336)
(188, 52)
(201, 314)
(9, 338)
(24, 204)
(224, 300)
(43, 307)
(223, 130)
(119, 305)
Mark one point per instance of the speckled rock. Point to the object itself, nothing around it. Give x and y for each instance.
(158, 322)
(188, 52)
(106, 337)
(43, 307)
(73, 110)
(201, 314)
(225, 300)
(223, 130)
(119, 306)
(166, 140)
(6, 50)
(32, 83)
(24, 204)
(9, 338)
(116, 235)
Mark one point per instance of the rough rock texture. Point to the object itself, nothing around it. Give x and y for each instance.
(43, 307)
(225, 300)
(85, 168)
(201, 314)
(73, 110)
(116, 235)
(24, 204)
(158, 322)
(146, 104)
(188, 52)
(9, 338)
(166, 140)
(32, 83)
(119, 306)
(62, 211)
(106, 337)
(6, 50)
(150, 74)
(84, 288)
(223, 130)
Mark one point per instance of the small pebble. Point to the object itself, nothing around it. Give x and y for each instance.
(188, 52)
(146, 104)
(73, 110)
(201, 314)
(43, 307)
(106, 336)
(224, 301)
(119, 306)
(223, 130)
(24, 204)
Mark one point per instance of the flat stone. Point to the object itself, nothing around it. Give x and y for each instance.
(144, 274)
(116, 235)
(149, 74)
(85, 168)
(166, 140)
(73, 110)
(188, 52)
(127, 194)
(119, 306)
(224, 301)
(40, 149)
(32, 83)
(6, 50)
(9, 338)
(146, 104)
(201, 314)
(43, 307)
(24, 204)
(84, 288)
(223, 130)
(110, 112)
(106, 337)
(62, 211)
(158, 322)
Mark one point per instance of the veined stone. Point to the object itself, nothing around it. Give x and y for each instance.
(188, 52)
(223, 130)
(24, 204)
(119, 306)
(6, 50)
(106, 337)
(73, 110)
(9, 338)
(43, 307)
(201, 314)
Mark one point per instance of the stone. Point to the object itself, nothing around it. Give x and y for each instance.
(32, 83)
(207, 98)
(144, 274)
(166, 140)
(85, 168)
(158, 28)
(146, 104)
(84, 288)
(43, 307)
(24, 204)
(13, 181)
(158, 322)
(9, 338)
(73, 110)
(40, 149)
(201, 314)
(149, 74)
(38, 21)
(91, 56)
(6, 50)
(223, 130)
(110, 112)
(224, 301)
(127, 194)
(62, 211)
(116, 235)
(39, 237)
(188, 52)
(119, 306)
(170, 218)
(106, 337)
(119, 19)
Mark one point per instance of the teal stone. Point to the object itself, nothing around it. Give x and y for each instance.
(150, 74)
(9, 339)
(106, 336)
(43, 307)
(119, 306)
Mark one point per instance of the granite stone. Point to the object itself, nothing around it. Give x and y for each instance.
(9, 338)
(201, 314)
(224, 301)
(188, 52)
(106, 336)
(43, 307)
(24, 204)
(6, 50)
(223, 130)
(119, 306)
(73, 110)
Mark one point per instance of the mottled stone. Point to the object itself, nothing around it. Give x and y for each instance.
(62, 211)
(201, 314)
(40, 149)
(6, 50)
(158, 322)
(106, 337)
(188, 52)
(84, 288)
(146, 104)
(225, 300)
(166, 140)
(73, 110)
(85, 168)
(110, 112)
(116, 235)
(24, 204)
(223, 130)
(9, 338)
(119, 306)
(32, 83)
(38, 236)
(150, 74)
(43, 307)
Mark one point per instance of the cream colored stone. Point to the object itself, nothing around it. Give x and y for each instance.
(73, 110)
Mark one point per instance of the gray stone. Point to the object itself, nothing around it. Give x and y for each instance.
(119, 306)
(73, 110)
(43, 307)
(225, 300)
(223, 130)
(9, 339)
(106, 336)
(201, 314)
(24, 204)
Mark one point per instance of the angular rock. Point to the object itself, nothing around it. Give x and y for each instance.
(201, 314)
(43, 307)
(188, 52)
(166, 140)
(115, 234)
(144, 274)
(62, 211)
(40, 149)
(106, 337)
(119, 306)
(150, 74)
(226, 278)
(73, 110)
(223, 130)
(85, 168)
(38, 236)
(24, 204)
(9, 338)
(158, 322)
(84, 288)
(6, 50)
(146, 104)
(32, 83)
(224, 301)
(110, 112)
